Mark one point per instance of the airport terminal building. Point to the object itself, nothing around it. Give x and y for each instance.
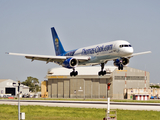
(89, 85)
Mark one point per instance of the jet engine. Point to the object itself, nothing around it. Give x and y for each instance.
(121, 62)
(70, 63)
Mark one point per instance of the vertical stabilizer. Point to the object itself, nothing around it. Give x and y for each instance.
(57, 43)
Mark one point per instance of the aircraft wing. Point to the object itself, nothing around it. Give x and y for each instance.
(56, 59)
(141, 53)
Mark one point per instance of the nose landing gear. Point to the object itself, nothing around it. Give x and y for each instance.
(120, 67)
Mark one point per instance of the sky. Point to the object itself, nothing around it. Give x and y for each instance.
(25, 27)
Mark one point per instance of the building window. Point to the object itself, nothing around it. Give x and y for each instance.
(130, 78)
(119, 77)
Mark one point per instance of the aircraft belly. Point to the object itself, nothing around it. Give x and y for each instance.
(98, 60)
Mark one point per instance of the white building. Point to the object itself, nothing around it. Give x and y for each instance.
(7, 87)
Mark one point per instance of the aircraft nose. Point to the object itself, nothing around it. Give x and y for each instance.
(129, 50)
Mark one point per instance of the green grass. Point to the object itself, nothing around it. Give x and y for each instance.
(10, 112)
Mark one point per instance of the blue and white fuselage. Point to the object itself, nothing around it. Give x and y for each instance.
(119, 51)
(102, 53)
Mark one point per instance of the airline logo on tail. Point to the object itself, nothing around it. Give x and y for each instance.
(56, 44)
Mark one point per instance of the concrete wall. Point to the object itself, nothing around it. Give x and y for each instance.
(77, 88)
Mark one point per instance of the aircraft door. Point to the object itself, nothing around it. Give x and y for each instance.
(117, 48)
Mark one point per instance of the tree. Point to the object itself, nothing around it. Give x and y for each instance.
(32, 84)
(155, 86)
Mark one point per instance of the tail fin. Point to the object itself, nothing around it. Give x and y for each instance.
(57, 43)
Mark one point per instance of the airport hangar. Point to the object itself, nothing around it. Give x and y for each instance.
(87, 84)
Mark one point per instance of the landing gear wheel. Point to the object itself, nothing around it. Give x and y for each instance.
(76, 73)
(73, 73)
(101, 73)
(120, 67)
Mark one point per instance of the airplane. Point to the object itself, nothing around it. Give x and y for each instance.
(119, 51)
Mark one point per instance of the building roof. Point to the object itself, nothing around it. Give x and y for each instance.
(81, 70)
(11, 83)
(2, 80)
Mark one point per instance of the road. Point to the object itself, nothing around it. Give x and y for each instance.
(87, 104)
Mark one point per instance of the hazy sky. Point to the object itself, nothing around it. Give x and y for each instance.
(25, 28)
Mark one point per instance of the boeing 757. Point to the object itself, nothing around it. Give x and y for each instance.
(119, 51)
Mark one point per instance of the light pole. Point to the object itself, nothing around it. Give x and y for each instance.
(18, 98)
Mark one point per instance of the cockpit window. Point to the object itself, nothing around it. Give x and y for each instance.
(125, 46)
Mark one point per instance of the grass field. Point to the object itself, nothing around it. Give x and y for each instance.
(10, 112)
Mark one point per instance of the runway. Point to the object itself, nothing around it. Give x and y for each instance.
(87, 104)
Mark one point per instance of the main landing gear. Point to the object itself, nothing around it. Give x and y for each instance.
(102, 72)
(74, 73)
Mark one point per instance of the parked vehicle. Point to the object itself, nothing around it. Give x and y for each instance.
(155, 97)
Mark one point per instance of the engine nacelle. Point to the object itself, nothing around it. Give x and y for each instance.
(70, 63)
(123, 61)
